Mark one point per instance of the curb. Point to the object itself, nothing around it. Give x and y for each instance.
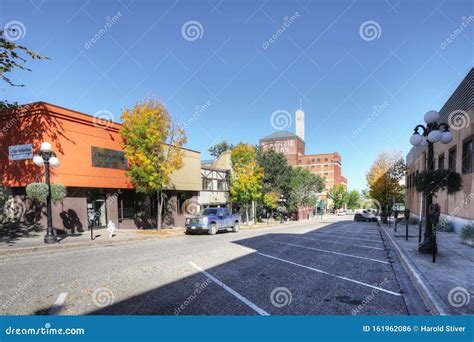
(58, 246)
(426, 291)
(144, 237)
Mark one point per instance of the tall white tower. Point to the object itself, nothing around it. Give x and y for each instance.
(300, 123)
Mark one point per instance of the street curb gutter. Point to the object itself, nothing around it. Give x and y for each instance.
(426, 291)
(58, 246)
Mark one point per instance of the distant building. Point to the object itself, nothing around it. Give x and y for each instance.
(326, 165)
(458, 113)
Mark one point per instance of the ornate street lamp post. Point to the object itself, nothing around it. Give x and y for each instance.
(47, 157)
(431, 134)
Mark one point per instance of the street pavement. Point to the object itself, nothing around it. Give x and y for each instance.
(337, 267)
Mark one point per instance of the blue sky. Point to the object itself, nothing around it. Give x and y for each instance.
(363, 91)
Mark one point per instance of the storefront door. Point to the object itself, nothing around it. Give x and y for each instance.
(96, 208)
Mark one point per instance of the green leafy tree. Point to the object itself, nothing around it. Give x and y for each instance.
(220, 148)
(338, 194)
(277, 171)
(153, 146)
(353, 199)
(246, 178)
(304, 187)
(13, 57)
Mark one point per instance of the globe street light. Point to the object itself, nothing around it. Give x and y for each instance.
(431, 134)
(47, 157)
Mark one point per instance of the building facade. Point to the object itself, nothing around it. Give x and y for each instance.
(92, 167)
(326, 165)
(457, 156)
(215, 176)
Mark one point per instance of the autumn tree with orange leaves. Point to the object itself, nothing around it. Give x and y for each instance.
(152, 143)
(385, 179)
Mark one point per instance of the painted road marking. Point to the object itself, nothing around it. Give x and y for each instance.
(341, 243)
(330, 274)
(58, 304)
(332, 252)
(345, 237)
(348, 231)
(244, 300)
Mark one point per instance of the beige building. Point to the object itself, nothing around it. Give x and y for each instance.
(215, 175)
(458, 113)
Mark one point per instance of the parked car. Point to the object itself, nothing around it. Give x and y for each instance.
(212, 220)
(341, 213)
(366, 216)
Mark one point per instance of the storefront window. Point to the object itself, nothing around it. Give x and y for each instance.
(126, 204)
(452, 160)
(441, 162)
(467, 157)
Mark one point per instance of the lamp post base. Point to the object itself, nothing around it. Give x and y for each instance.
(427, 247)
(50, 239)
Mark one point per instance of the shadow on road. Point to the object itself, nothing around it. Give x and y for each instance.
(283, 274)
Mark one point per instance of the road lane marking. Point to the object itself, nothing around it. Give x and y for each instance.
(332, 252)
(253, 306)
(330, 274)
(348, 231)
(58, 304)
(345, 237)
(341, 243)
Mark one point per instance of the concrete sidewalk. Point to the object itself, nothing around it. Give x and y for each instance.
(446, 286)
(35, 241)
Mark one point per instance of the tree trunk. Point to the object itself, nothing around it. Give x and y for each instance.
(247, 213)
(160, 209)
(254, 212)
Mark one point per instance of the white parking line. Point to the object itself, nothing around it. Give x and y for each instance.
(341, 243)
(332, 252)
(349, 231)
(329, 274)
(345, 237)
(58, 304)
(244, 300)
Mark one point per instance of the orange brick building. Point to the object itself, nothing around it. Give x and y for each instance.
(326, 165)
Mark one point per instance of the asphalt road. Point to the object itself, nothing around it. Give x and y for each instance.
(339, 267)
